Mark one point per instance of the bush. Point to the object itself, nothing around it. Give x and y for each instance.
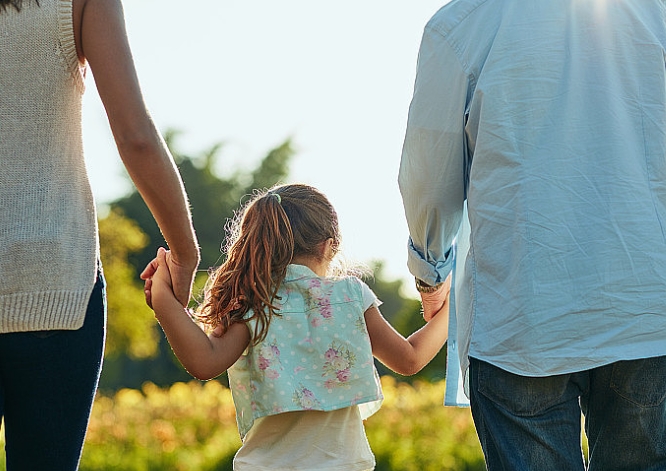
(413, 431)
(189, 426)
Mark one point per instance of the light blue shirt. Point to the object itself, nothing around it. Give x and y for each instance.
(548, 120)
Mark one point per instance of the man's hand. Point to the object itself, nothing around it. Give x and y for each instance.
(434, 302)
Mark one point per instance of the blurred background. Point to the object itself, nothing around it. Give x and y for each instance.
(335, 79)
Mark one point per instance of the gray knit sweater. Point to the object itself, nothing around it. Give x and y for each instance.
(48, 230)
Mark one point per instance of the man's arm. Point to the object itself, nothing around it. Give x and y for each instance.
(432, 175)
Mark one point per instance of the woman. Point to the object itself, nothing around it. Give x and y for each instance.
(52, 298)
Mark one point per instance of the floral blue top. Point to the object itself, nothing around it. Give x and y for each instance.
(316, 355)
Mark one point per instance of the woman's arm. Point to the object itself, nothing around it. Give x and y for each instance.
(203, 356)
(101, 39)
(407, 356)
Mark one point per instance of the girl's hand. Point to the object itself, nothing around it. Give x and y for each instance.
(157, 276)
(180, 277)
(147, 277)
(203, 356)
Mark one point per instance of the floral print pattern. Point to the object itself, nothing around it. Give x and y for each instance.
(318, 302)
(305, 398)
(316, 355)
(268, 360)
(337, 367)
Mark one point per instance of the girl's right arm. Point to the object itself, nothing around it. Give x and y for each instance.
(203, 356)
(407, 356)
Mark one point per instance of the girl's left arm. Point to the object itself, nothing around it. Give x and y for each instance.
(203, 356)
(407, 356)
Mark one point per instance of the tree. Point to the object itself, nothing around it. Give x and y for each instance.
(136, 349)
(213, 198)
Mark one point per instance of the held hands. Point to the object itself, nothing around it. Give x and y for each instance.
(437, 301)
(157, 276)
(181, 277)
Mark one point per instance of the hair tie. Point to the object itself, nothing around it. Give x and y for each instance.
(277, 197)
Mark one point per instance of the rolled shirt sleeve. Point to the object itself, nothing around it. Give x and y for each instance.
(435, 158)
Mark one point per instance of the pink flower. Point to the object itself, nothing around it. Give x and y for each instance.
(272, 374)
(326, 311)
(316, 321)
(343, 375)
(330, 383)
(263, 363)
(276, 350)
(330, 354)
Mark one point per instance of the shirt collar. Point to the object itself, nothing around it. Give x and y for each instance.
(295, 272)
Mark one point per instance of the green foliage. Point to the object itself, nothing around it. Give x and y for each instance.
(213, 198)
(189, 426)
(131, 324)
(413, 431)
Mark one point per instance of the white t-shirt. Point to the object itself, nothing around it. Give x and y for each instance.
(305, 440)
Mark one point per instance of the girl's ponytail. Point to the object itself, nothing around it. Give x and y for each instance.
(260, 246)
(263, 238)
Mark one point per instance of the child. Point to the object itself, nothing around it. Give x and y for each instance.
(296, 338)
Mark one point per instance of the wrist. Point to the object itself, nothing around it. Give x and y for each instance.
(188, 259)
(423, 287)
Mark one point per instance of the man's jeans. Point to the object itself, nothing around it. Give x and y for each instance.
(48, 381)
(534, 424)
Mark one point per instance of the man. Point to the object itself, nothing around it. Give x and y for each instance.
(547, 119)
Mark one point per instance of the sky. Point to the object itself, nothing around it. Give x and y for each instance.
(335, 78)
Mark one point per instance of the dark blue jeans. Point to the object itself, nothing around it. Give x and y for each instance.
(48, 381)
(534, 424)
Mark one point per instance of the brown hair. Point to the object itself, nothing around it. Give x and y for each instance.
(266, 234)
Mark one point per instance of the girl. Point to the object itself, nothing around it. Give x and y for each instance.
(296, 334)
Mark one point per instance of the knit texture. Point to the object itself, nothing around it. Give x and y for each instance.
(48, 230)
